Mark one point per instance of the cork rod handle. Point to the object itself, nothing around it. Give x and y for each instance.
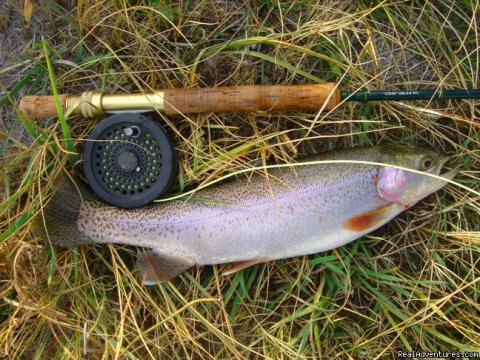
(38, 106)
(251, 98)
(241, 99)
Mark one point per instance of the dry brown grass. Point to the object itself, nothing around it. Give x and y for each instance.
(414, 284)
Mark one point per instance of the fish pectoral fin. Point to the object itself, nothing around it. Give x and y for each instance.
(368, 219)
(156, 267)
(240, 265)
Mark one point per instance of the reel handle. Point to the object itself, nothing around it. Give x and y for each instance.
(240, 99)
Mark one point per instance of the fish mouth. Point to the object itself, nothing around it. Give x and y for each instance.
(436, 184)
(449, 175)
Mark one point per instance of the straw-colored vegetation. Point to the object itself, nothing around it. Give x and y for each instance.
(412, 285)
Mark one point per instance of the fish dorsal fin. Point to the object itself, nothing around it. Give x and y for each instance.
(240, 265)
(156, 267)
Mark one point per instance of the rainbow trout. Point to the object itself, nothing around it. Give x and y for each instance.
(300, 210)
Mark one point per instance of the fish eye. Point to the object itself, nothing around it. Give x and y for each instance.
(426, 163)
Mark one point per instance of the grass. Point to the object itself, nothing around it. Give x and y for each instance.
(412, 285)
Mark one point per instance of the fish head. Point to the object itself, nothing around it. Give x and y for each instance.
(399, 185)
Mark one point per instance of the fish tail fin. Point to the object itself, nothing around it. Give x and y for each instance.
(57, 221)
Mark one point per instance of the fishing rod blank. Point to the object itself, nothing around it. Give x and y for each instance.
(385, 95)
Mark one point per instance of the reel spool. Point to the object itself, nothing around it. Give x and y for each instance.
(129, 160)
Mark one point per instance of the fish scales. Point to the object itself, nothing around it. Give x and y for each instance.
(296, 211)
(257, 223)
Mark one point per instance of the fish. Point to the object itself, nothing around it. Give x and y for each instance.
(318, 204)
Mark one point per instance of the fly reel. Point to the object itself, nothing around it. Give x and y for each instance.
(129, 160)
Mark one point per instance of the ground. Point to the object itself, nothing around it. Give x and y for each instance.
(411, 285)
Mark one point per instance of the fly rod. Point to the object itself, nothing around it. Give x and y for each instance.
(129, 159)
(240, 99)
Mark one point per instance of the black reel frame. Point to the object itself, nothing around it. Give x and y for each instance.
(129, 160)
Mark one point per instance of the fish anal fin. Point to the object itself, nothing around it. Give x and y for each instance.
(156, 267)
(240, 265)
(368, 219)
